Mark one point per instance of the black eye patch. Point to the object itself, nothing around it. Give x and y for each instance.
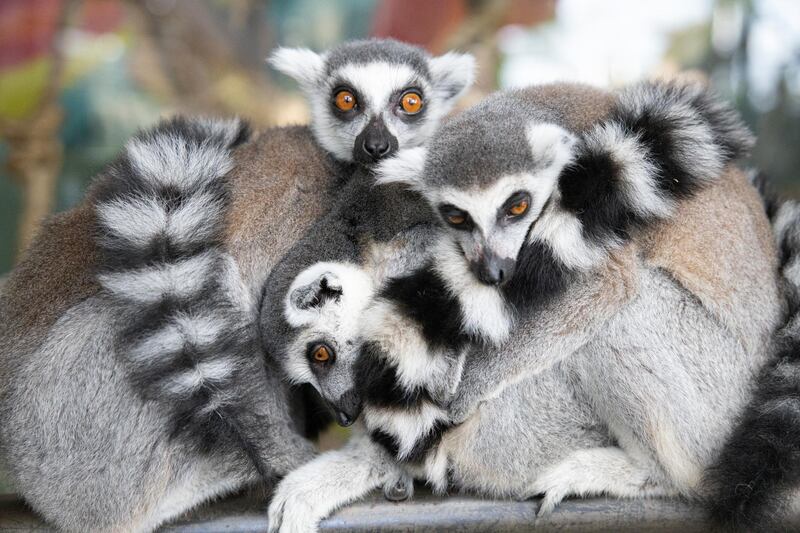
(396, 103)
(515, 206)
(320, 354)
(349, 114)
(455, 217)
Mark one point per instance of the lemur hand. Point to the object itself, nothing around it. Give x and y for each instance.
(460, 407)
(336, 478)
(292, 509)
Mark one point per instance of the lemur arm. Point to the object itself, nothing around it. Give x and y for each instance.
(556, 331)
(473, 319)
(332, 480)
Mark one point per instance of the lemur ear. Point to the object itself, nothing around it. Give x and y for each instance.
(302, 64)
(308, 293)
(405, 167)
(452, 73)
(551, 145)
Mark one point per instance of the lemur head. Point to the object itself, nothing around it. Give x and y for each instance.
(324, 306)
(489, 173)
(370, 98)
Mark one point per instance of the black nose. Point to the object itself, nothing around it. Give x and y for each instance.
(494, 270)
(348, 408)
(375, 142)
(376, 146)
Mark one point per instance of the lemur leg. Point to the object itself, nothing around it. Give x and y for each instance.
(595, 471)
(194, 484)
(318, 488)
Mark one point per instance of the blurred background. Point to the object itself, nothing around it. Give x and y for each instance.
(78, 77)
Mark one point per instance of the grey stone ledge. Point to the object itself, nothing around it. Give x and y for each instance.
(426, 512)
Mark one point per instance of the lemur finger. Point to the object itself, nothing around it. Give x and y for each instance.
(275, 515)
(550, 501)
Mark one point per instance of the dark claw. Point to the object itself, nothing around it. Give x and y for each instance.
(399, 492)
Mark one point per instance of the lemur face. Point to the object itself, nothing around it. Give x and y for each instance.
(490, 218)
(370, 98)
(323, 305)
(491, 224)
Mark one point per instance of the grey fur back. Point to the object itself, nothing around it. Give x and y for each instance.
(62, 456)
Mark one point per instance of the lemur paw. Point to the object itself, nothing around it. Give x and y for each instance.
(554, 490)
(458, 411)
(549, 503)
(289, 511)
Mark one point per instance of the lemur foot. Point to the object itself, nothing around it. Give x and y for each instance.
(554, 489)
(549, 503)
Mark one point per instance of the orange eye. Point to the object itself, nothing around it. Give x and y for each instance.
(456, 220)
(411, 103)
(345, 100)
(518, 208)
(321, 354)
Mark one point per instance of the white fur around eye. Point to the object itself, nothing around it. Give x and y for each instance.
(377, 82)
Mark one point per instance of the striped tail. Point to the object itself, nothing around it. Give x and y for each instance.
(662, 143)
(751, 483)
(189, 342)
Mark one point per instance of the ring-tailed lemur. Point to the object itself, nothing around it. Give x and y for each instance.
(566, 257)
(91, 442)
(753, 483)
(431, 315)
(202, 379)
